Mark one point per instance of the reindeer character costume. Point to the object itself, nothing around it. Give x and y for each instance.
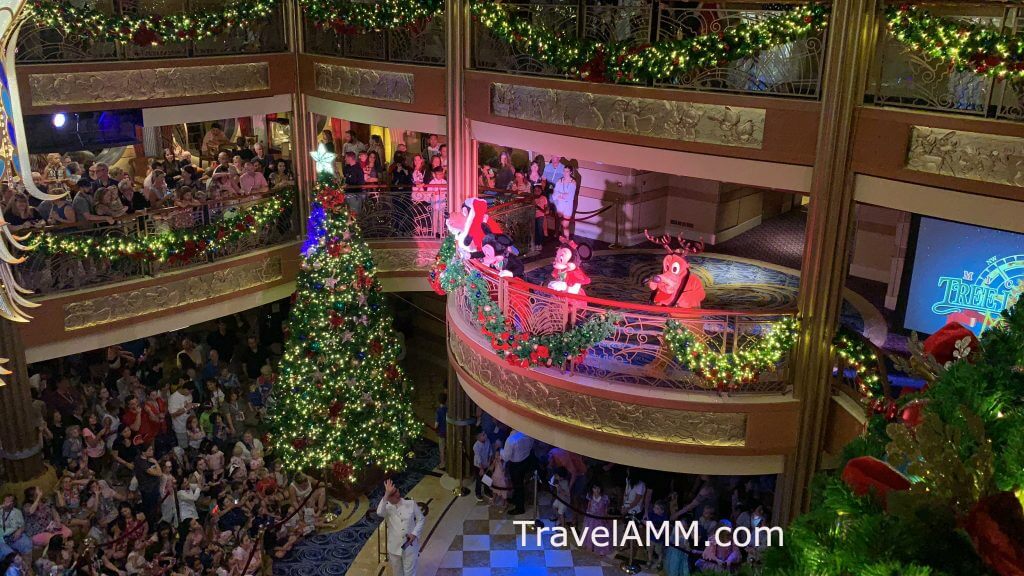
(677, 285)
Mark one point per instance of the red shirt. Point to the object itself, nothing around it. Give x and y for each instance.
(150, 429)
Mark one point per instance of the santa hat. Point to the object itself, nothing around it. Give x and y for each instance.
(952, 342)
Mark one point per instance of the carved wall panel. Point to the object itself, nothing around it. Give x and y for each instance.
(404, 259)
(364, 83)
(152, 84)
(970, 155)
(171, 294)
(596, 413)
(685, 121)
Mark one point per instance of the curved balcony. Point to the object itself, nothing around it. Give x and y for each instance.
(629, 395)
(423, 44)
(42, 44)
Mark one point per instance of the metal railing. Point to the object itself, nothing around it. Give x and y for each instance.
(908, 78)
(792, 69)
(51, 273)
(420, 44)
(386, 212)
(41, 44)
(636, 352)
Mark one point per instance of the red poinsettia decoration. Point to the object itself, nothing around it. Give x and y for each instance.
(300, 443)
(868, 475)
(342, 470)
(335, 409)
(145, 37)
(996, 528)
(331, 199)
(337, 320)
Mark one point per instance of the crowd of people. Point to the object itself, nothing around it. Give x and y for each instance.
(174, 190)
(161, 465)
(590, 493)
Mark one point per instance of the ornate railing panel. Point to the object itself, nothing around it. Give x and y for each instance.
(395, 214)
(51, 273)
(420, 44)
(905, 77)
(635, 353)
(40, 44)
(491, 53)
(792, 69)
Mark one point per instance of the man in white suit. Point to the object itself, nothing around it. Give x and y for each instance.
(405, 524)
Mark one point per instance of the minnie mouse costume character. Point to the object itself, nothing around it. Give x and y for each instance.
(566, 273)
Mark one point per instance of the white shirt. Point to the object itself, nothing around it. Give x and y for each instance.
(482, 454)
(402, 519)
(176, 402)
(517, 447)
(255, 452)
(187, 503)
(635, 493)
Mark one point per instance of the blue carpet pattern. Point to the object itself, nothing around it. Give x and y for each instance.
(332, 554)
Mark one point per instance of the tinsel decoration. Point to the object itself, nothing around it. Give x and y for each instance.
(342, 405)
(149, 29)
(964, 45)
(172, 245)
(521, 349)
(729, 370)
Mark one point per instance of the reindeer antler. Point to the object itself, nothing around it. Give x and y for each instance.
(691, 246)
(665, 240)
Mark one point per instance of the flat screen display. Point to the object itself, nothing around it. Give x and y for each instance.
(962, 273)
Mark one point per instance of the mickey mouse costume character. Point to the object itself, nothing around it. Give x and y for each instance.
(499, 253)
(566, 273)
(471, 225)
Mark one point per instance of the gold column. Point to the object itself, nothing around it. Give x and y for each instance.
(461, 168)
(852, 28)
(461, 418)
(21, 458)
(301, 136)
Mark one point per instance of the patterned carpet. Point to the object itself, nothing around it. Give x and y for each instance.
(331, 553)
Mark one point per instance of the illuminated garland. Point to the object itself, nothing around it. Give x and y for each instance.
(852, 352)
(730, 369)
(964, 45)
(522, 349)
(149, 29)
(170, 245)
(597, 61)
(351, 17)
(342, 403)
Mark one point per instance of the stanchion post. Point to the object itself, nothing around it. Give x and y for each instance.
(618, 211)
(630, 566)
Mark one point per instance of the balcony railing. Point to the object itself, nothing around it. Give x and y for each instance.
(635, 353)
(384, 212)
(906, 77)
(40, 44)
(792, 69)
(422, 44)
(52, 273)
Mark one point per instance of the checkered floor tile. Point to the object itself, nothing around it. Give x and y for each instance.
(490, 545)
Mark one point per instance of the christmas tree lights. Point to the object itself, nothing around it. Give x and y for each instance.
(730, 369)
(963, 44)
(172, 245)
(343, 404)
(86, 21)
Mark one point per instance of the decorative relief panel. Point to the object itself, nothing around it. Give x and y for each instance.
(148, 84)
(600, 414)
(685, 121)
(970, 155)
(172, 294)
(403, 259)
(364, 83)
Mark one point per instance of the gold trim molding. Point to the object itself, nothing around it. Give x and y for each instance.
(403, 259)
(969, 155)
(632, 421)
(147, 84)
(171, 294)
(364, 83)
(683, 121)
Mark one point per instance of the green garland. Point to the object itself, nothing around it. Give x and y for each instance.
(522, 348)
(149, 29)
(370, 17)
(853, 353)
(170, 245)
(964, 45)
(729, 369)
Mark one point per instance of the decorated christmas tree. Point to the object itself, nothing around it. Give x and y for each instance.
(936, 483)
(343, 404)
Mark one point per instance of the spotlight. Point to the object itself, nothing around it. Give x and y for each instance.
(59, 119)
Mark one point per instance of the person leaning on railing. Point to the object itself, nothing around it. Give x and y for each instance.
(57, 212)
(83, 203)
(282, 175)
(20, 216)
